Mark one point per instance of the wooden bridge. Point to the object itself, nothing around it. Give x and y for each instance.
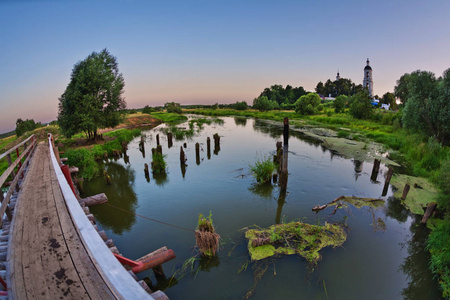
(52, 249)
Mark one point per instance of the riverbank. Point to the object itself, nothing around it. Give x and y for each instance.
(420, 156)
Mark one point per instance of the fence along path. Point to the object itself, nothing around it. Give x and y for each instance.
(48, 255)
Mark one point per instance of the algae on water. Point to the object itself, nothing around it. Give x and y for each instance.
(294, 238)
(421, 192)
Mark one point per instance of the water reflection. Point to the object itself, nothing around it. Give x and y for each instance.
(263, 190)
(358, 168)
(396, 210)
(416, 265)
(160, 178)
(120, 194)
(281, 201)
(240, 121)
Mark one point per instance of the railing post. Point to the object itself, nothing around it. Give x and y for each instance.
(13, 172)
(8, 211)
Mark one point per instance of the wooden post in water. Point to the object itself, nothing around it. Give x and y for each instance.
(159, 149)
(197, 153)
(169, 139)
(386, 183)
(142, 146)
(375, 169)
(182, 156)
(286, 131)
(146, 172)
(208, 147)
(157, 139)
(284, 164)
(184, 145)
(405, 191)
(216, 143)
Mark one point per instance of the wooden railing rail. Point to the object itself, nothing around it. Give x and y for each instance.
(118, 279)
(28, 150)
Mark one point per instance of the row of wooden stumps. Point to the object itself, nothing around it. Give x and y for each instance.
(376, 166)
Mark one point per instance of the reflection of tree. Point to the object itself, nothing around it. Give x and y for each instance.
(263, 190)
(421, 284)
(281, 201)
(396, 210)
(239, 121)
(120, 193)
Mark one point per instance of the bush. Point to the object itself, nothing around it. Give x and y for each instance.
(307, 104)
(262, 170)
(147, 110)
(173, 107)
(240, 105)
(85, 160)
(339, 103)
(439, 247)
(361, 108)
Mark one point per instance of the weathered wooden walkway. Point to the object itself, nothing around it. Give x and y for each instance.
(48, 256)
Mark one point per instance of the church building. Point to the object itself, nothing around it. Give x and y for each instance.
(368, 81)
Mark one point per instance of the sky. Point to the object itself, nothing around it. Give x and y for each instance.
(205, 52)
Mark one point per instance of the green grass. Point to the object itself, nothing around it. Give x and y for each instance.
(169, 117)
(263, 170)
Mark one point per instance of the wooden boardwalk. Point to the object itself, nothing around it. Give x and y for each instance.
(47, 259)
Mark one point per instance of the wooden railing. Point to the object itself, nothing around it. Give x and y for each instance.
(120, 282)
(29, 145)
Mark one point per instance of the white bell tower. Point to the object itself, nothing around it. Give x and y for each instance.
(368, 81)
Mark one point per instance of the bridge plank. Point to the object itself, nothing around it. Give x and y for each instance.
(89, 276)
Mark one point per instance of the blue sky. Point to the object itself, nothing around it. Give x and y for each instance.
(196, 52)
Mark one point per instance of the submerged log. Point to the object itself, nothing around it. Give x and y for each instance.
(319, 207)
(430, 208)
(94, 200)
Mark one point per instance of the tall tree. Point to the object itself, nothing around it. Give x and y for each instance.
(389, 98)
(93, 98)
(401, 89)
(427, 106)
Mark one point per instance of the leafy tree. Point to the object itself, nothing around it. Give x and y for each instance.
(339, 103)
(343, 86)
(147, 110)
(361, 107)
(427, 106)
(263, 104)
(307, 104)
(24, 126)
(401, 89)
(389, 98)
(93, 98)
(173, 107)
(240, 105)
(280, 95)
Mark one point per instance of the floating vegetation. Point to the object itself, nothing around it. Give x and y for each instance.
(294, 238)
(206, 238)
(421, 192)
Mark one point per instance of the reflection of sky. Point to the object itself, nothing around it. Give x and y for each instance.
(368, 263)
(217, 51)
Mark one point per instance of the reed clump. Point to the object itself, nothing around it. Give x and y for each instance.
(207, 240)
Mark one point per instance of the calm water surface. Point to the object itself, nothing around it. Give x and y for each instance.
(383, 257)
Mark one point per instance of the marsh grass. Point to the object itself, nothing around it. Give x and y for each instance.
(263, 169)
